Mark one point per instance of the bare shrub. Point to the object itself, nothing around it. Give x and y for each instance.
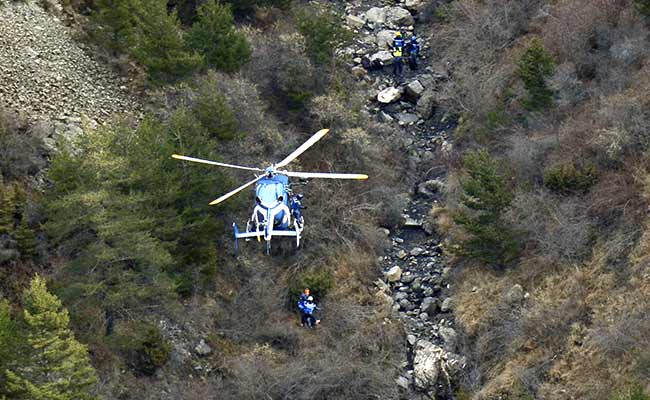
(626, 118)
(572, 27)
(22, 151)
(526, 155)
(559, 228)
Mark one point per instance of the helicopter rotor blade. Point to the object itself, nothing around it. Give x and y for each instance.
(323, 175)
(202, 161)
(234, 192)
(297, 152)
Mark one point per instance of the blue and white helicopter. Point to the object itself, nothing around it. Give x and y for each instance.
(277, 210)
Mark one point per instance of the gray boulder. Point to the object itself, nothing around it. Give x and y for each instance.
(427, 364)
(203, 349)
(447, 305)
(384, 38)
(413, 5)
(406, 305)
(426, 104)
(389, 95)
(449, 336)
(429, 306)
(414, 89)
(398, 16)
(383, 56)
(376, 15)
(407, 278)
(407, 118)
(394, 274)
(515, 294)
(431, 187)
(355, 22)
(437, 102)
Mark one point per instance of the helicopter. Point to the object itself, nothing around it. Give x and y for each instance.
(276, 212)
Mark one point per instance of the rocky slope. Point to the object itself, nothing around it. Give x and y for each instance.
(415, 283)
(45, 73)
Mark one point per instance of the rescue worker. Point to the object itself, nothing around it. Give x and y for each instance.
(397, 49)
(398, 41)
(305, 293)
(295, 206)
(413, 50)
(307, 309)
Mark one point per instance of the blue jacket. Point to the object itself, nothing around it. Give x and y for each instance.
(307, 307)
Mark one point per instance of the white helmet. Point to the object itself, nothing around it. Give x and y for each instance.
(310, 298)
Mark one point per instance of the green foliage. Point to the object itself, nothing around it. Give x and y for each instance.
(297, 84)
(445, 12)
(247, 7)
(152, 351)
(319, 282)
(160, 46)
(133, 222)
(570, 178)
(486, 196)
(8, 205)
(534, 66)
(119, 17)
(632, 392)
(214, 113)
(57, 366)
(643, 6)
(323, 33)
(26, 238)
(215, 37)
(12, 343)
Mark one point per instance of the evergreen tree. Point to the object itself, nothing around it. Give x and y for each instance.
(486, 196)
(58, 366)
(214, 113)
(26, 238)
(323, 34)
(643, 6)
(533, 68)
(7, 208)
(160, 46)
(132, 221)
(214, 35)
(118, 16)
(12, 344)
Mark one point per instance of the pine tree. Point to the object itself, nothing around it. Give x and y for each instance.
(160, 46)
(214, 35)
(119, 17)
(534, 67)
(7, 208)
(643, 6)
(11, 339)
(26, 239)
(486, 196)
(58, 366)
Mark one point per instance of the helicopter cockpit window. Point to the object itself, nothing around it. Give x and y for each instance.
(269, 193)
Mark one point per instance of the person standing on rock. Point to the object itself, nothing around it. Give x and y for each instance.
(398, 50)
(413, 50)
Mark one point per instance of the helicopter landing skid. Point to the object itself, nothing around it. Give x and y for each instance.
(258, 234)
